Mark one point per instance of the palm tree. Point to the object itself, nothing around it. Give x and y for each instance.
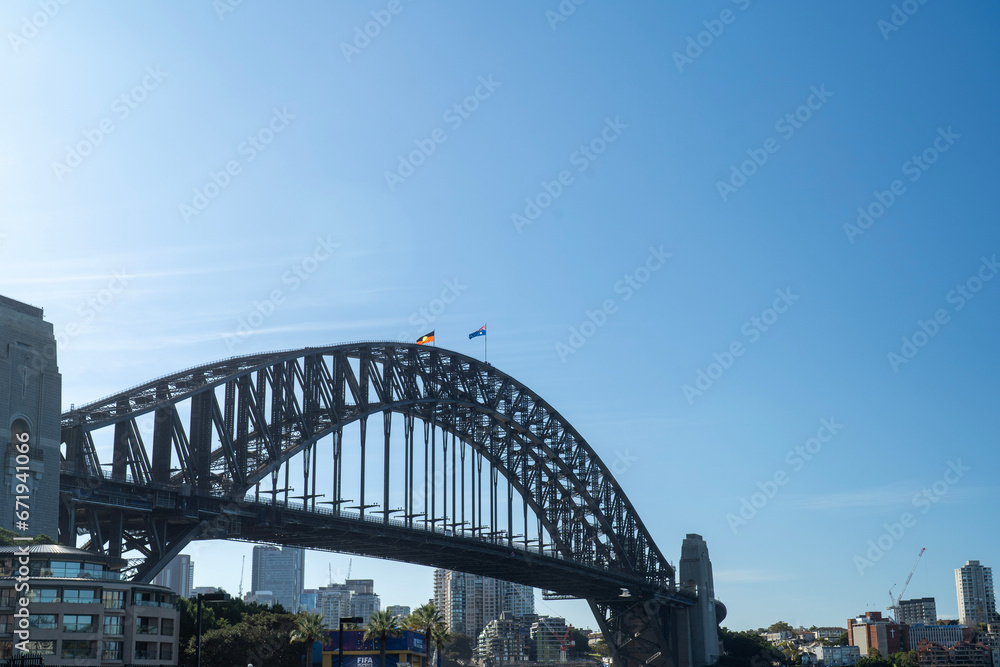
(440, 636)
(382, 625)
(308, 628)
(427, 619)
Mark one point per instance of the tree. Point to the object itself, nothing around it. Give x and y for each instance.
(458, 652)
(308, 629)
(749, 649)
(259, 639)
(425, 619)
(381, 625)
(842, 639)
(440, 636)
(875, 660)
(780, 626)
(904, 659)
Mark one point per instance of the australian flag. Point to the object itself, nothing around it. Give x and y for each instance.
(481, 331)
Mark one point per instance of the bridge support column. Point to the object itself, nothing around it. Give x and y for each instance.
(695, 577)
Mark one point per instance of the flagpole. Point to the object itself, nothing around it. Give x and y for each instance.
(486, 346)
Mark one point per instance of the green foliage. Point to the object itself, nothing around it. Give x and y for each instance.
(381, 625)
(219, 615)
(875, 660)
(7, 539)
(458, 652)
(780, 626)
(580, 644)
(308, 628)
(904, 659)
(259, 639)
(749, 649)
(842, 640)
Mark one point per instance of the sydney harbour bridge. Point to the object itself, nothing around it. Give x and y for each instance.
(383, 449)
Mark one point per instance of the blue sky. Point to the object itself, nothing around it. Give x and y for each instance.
(168, 168)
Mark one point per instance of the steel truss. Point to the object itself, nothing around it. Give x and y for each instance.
(475, 442)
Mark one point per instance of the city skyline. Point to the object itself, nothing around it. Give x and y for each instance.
(747, 251)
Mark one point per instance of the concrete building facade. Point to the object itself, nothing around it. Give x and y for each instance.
(81, 612)
(31, 387)
(873, 631)
(974, 587)
(695, 576)
(946, 635)
(918, 611)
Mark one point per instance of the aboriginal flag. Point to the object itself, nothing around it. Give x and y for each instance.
(426, 338)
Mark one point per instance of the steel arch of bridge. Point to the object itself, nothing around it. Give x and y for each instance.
(249, 417)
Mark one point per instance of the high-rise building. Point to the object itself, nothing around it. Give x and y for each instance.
(178, 575)
(504, 640)
(280, 572)
(468, 602)
(974, 586)
(398, 610)
(309, 599)
(30, 417)
(921, 610)
(551, 639)
(334, 603)
(364, 602)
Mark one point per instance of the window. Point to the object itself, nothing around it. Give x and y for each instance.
(8, 598)
(114, 599)
(80, 595)
(42, 646)
(166, 651)
(167, 627)
(43, 621)
(6, 624)
(145, 651)
(112, 651)
(114, 625)
(79, 649)
(44, 595)
(77, 623)
(145, 599)
(146, 626)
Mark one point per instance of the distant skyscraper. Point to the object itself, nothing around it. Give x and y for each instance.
(280, 572)
(468, 602)
(398, 610)
(309, 599)
(974, 586)
(922, 610)
(178, 575)
(333, 602)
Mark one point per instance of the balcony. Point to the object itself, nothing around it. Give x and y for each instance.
(145, 654)
(147, 630)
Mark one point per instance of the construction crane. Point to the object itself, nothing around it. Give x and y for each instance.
(895, 601)
(243, 569)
